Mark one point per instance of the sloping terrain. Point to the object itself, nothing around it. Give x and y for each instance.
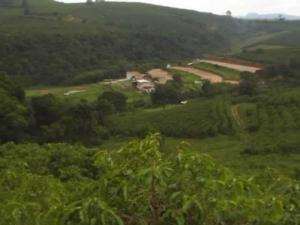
(51, 43)
(213, 78)
(281, 48)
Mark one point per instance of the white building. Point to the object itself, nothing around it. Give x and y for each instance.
(145, 85)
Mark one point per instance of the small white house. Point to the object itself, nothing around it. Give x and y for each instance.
(183, 102)
(145, 85)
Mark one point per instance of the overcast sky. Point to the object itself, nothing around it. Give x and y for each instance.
(238, 7)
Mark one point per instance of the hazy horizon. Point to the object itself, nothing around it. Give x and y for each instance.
(238, 7)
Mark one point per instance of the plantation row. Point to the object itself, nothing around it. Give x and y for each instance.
(273, 122)
(199, 118)
(273, 112)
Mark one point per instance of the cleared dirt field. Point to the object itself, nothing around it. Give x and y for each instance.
(241, 68)
(160, 75)
(213, 78)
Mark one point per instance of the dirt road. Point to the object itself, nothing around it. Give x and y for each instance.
(213, 78)
(242, 68)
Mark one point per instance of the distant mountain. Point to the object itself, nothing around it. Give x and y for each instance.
(274, 16)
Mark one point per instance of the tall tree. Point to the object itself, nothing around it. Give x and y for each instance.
(228, 13)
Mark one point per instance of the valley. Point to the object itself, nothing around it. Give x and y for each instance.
(118, 113)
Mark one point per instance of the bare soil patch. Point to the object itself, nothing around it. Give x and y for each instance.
(234, 61)
(242, 68)
(160, 75)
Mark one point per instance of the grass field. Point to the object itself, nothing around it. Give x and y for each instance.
(190, 81)
(90, 92)
(225, 73)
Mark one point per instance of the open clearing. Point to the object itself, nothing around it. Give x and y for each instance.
(160, 75)
(90, 92)
(224, 72)
(238, 67)
(213, 78)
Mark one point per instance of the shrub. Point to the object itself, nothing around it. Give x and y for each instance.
(138, 184)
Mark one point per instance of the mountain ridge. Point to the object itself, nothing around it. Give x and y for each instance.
(271, 16)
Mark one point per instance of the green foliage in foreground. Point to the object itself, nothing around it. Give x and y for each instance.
(138, 184)
(226, 73)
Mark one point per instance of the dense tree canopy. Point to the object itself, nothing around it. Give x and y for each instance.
(56, 43)
(14, 116)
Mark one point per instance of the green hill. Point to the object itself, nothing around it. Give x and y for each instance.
(279, 48)
(51, 43)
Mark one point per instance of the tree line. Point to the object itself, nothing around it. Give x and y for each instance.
(50, 119)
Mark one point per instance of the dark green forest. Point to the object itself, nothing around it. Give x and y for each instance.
(46, 42)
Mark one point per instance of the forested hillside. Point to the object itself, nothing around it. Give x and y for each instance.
(46, 42)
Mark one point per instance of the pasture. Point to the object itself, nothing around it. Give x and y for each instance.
(90, 92)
